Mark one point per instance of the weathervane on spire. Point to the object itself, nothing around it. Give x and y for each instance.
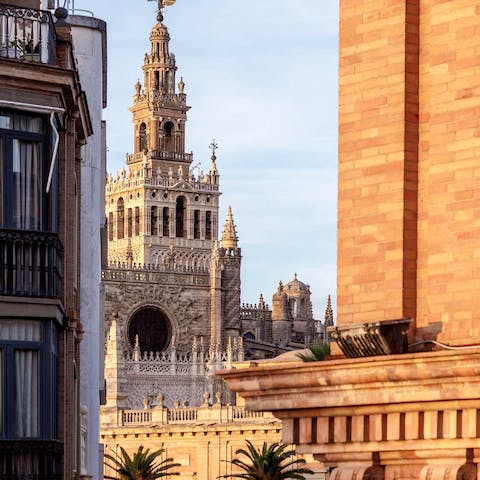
(161, 5)
(213, 147)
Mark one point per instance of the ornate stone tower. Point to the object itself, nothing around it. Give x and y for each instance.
(172, 288)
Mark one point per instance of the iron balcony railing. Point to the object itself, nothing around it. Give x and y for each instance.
(27, 34)
(30, 460)
(30, 264)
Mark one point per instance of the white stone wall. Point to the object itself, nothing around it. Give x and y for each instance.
(88, 34)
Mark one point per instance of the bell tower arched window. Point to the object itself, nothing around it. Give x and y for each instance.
(168, 137)
(180, 217)
(142, 137)
(166, 222)
(208, 225)
(120, 218)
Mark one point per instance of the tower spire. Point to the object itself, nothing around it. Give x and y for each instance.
(329, 313)
(229, 234)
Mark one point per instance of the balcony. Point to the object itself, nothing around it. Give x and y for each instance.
(30, 264)
(160, 155)
(27, 34)
(30, 460)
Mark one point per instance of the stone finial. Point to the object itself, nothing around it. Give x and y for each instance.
(160, 398)
(138, 88)
(146, 403)
(329, 313)
(206, 398)
(261, 302)
(229, 235)
(218, 397)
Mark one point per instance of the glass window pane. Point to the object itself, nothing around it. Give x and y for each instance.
(27, 396)
(27, 185)
(21, 330)
(21, 122)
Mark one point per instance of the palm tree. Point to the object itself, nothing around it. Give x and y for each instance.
(268, 463)
(316, 353)
(141, 467)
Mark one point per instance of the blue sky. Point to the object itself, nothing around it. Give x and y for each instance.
(261, 78)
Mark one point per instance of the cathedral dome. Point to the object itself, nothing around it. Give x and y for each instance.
(297, 286)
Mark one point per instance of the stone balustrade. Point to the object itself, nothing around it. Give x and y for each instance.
(217, 413)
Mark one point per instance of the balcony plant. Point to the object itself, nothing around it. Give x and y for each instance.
(142, 466)
(317, 353)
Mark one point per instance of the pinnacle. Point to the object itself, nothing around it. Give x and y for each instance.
(229, 235)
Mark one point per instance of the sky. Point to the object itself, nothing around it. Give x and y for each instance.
(261, 78)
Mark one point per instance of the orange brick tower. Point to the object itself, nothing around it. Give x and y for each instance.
(408, 176)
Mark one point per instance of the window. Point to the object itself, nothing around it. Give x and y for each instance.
(166, 222)
(27, 379)
(137, 221)
(168, 137)
(142, 137)
(153, 329)
(110, 226)
(129, 222)
(120, 219)
(24, 169)
(196, 224)
(208, 225)
(154, 221)
(180, 217)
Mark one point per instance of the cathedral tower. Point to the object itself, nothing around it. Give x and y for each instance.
(172, 288)
(159, 204)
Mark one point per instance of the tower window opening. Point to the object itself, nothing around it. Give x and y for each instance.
(154, 221)
(196, 224)
(129, 222)
(166, 222)
(168, 136)
(157, 81)
(208, 225)
(110, 226)
(120, 219)
(180, 218)
(137, 221)
(142, 137)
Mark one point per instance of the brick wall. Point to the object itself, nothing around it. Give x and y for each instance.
(378, 133)
(409, 130)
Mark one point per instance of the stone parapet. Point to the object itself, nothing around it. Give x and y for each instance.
(424, 406)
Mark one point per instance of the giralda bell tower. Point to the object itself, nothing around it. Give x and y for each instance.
(172, 286)
(159, 210)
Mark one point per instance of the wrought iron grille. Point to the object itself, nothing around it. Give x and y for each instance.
(30, 264)
(27, 34)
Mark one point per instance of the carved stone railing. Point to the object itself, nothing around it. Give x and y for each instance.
(184, 414)
(160, 155)
(27, 34)
(178, 275)
(30, 460)
(30, 264)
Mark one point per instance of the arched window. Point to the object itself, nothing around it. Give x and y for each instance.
(110, 226)
(137, 221)
(208, 225)
(248, 336)
(168, 137)
(180, 218)
(120, 219)
(196, 224)
(166, 222)
(142, 137)
(129, 222)
(153, 328)
(154, 221)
